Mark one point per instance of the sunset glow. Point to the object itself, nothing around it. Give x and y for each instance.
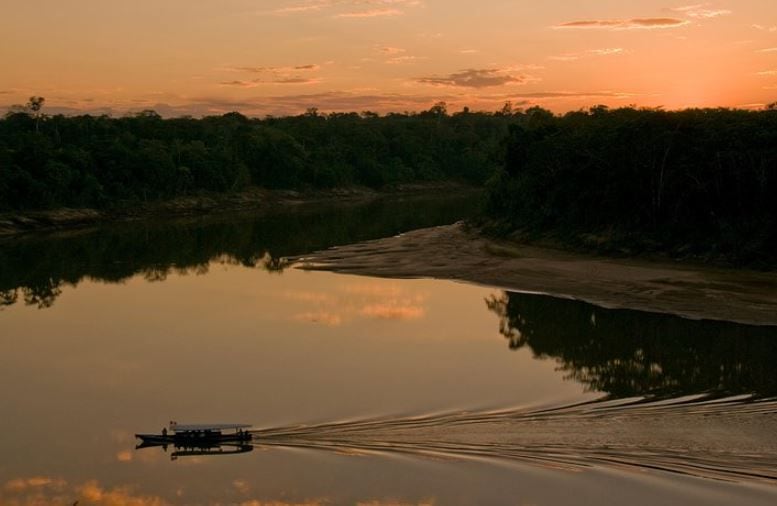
(283, 56)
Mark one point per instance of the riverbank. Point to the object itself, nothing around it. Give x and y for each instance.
(253, 199)
(457, 252)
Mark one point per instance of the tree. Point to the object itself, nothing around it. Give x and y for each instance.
(35, 105)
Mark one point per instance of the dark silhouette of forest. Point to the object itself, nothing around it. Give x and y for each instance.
(691, 183)
(698, 182)
(633, 353)
(98, 161)
(35, 268)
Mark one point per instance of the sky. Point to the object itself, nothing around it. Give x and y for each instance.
(280, 57)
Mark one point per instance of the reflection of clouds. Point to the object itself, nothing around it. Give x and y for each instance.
(36, 482)
(397, 502)
(40, 490)
(373, 289)
(394, 311)
(93, 493)
(241, 486)
(375, 300)
(323, 317)
(124, 456)
(306, 502)
(306, 296)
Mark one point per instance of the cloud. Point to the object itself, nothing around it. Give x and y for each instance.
(474, 78)
(253, 83)
(372, 13)
(624, 24)
(353, 9)
(405, 59)
(699, 11)
(767, 73)
(565, 57)
(767, 50)
(310, 67)
(575, 94)
(391, 50)
(274, 75)
(770, 29)
(468, 51)
(607, 51)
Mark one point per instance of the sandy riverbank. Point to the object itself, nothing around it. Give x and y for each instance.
(454, 252)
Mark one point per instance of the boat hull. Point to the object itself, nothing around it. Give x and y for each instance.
(191, 439)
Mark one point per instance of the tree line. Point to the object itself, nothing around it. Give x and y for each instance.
(697, 182)
(99, 161)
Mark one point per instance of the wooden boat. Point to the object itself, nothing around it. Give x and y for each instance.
(197, 434)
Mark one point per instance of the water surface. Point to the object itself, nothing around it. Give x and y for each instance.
(362, 390)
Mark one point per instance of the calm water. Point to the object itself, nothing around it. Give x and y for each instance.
(362, 390)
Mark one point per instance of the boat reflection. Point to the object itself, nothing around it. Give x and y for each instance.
(199, 449)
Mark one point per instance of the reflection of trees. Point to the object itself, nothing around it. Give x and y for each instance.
(36, 268)
(625, 352)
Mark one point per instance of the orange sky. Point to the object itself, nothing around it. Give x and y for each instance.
(282, 56)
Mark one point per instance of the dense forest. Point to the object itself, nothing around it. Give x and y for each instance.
(88, 161)
(699, 182)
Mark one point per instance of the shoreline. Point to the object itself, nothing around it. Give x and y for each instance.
(252, 199)
(455, 252)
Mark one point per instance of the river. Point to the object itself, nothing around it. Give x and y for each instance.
(360, 390)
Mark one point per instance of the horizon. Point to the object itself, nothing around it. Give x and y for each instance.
(386, 56)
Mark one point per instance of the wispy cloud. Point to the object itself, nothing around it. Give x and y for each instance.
(276, 70)
(700, 11)
(607, 51)
(371, 13)
(475, 78)
(624, 24)
(253, 83)
(762, 28)
(389, 50)
(767, 73)
(398, 60)
(767, 50)
(293, 74)
(349, 9)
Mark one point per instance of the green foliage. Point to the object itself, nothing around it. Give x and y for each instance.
(693, 182)
(88, 161)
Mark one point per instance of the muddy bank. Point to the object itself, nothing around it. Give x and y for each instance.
(257, 199)
(458, 253)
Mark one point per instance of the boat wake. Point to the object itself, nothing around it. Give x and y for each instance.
(723, 438)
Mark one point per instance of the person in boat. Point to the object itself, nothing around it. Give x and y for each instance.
(164, 431)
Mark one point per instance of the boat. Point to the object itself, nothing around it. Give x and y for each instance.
(197, 434)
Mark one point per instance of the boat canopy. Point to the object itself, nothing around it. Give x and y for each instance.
(180, 427)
